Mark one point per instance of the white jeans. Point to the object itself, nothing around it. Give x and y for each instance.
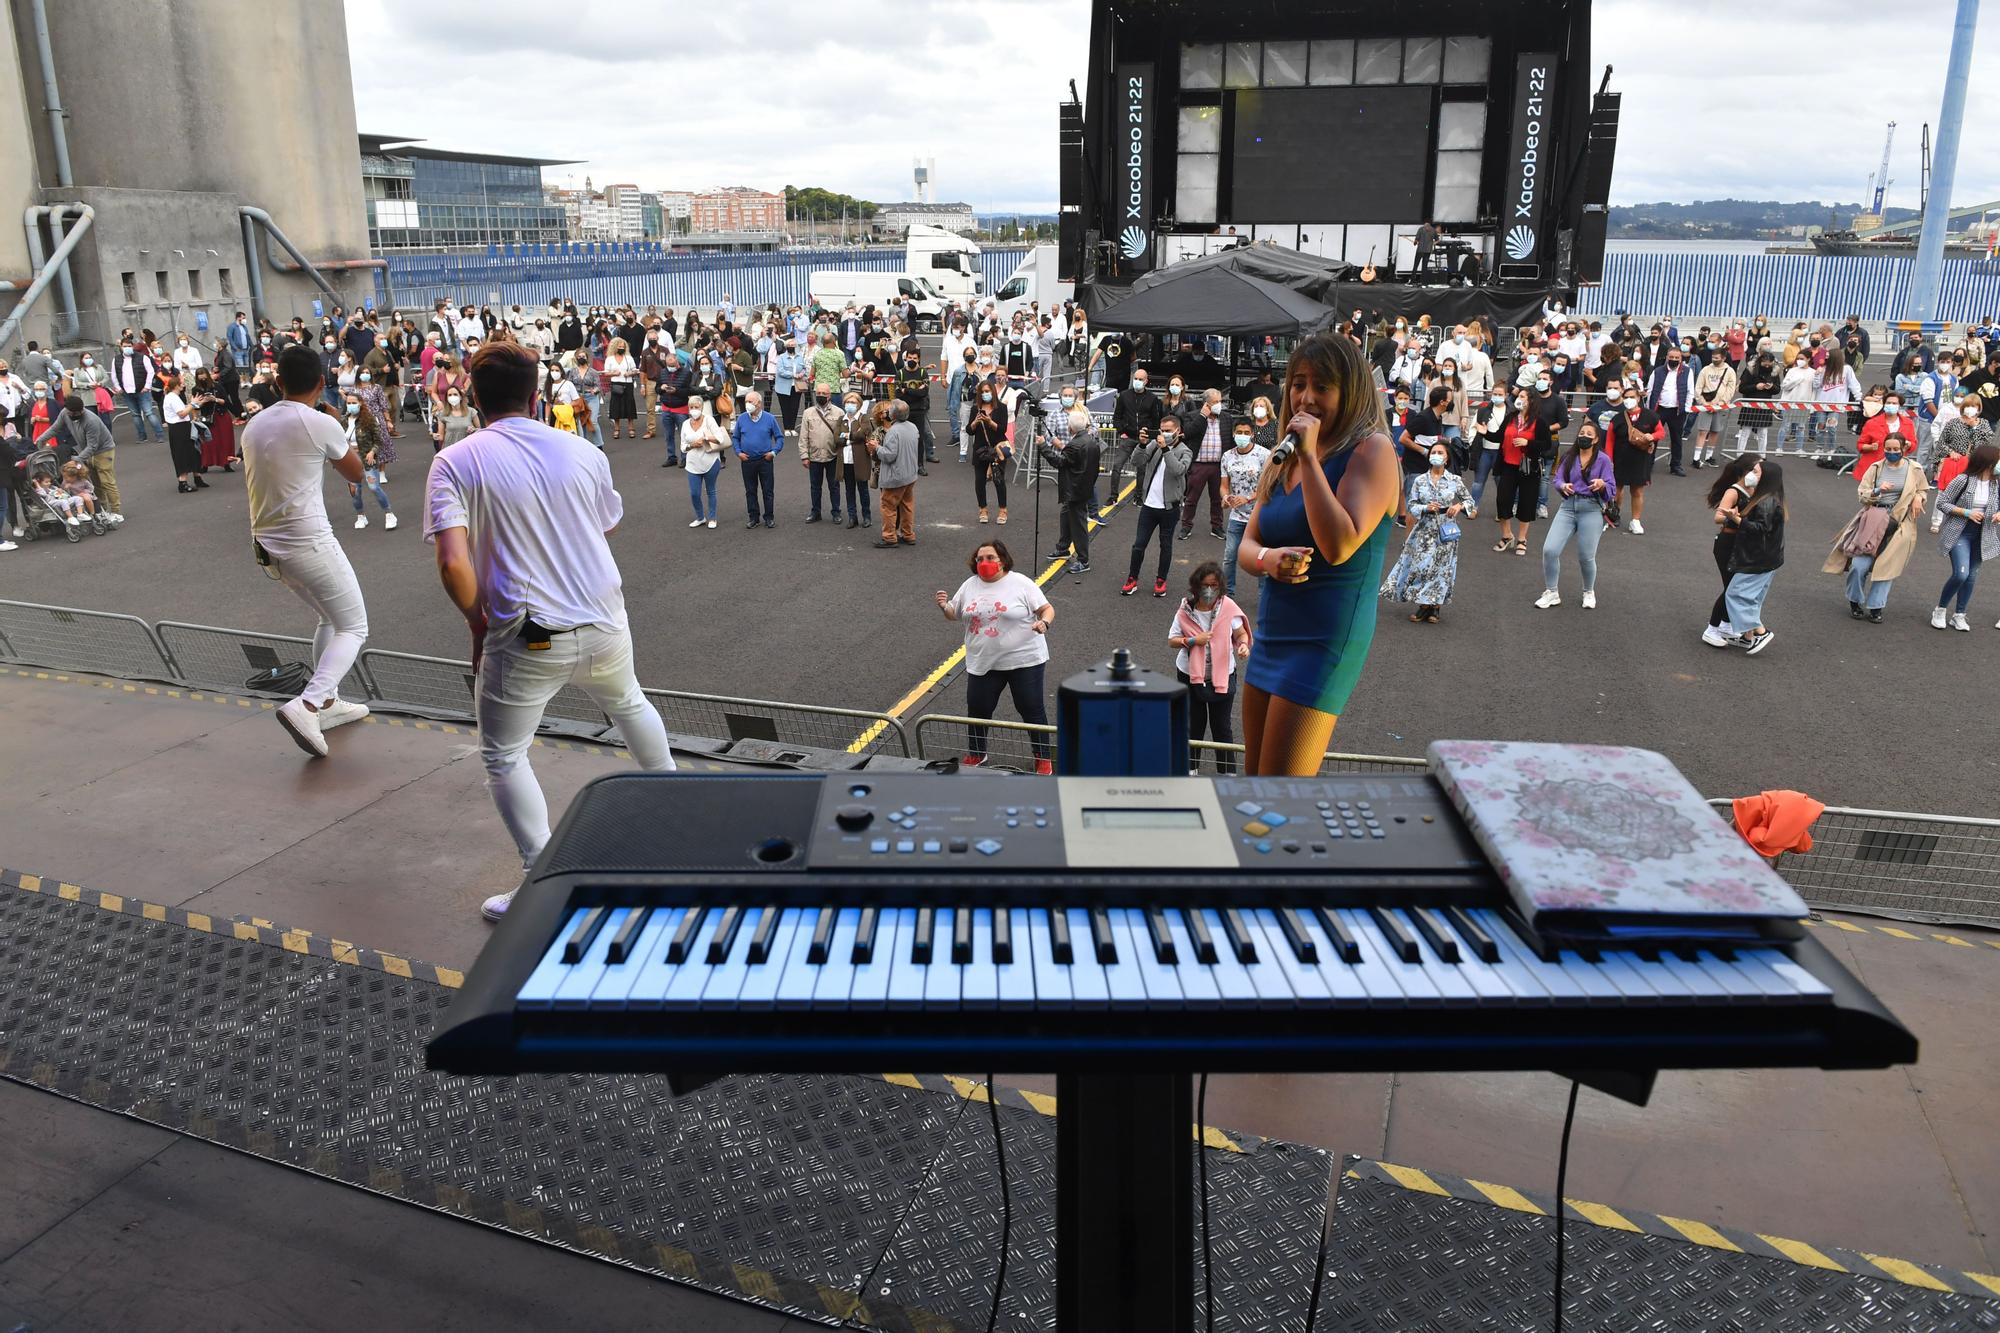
(516, 684)
(324, 581)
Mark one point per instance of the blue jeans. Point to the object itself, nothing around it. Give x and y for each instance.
(1965, 561)
(760, 474)
(826, 475)
(954, 398)
(596, 401)
(1232, 539)
(699, 482)
(670, 430)
(858, 503)
(371, 481)
(1481, 470)
(143, 411)
(1745, 596)
(1584, 520)
(1871, 593)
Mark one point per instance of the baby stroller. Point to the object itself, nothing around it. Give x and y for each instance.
(37, 513)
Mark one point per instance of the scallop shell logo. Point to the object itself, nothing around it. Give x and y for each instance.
(1132, 242)
(1520, 242)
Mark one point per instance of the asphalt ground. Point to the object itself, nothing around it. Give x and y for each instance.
(1854, 713)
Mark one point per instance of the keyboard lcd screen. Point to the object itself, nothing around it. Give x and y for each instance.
(1142, 819)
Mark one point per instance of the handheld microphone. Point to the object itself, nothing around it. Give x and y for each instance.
(1286, 447)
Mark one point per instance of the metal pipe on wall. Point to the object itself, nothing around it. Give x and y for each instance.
(31, 219)
(12, 324)
(51, 95)
(263, 219)
(253, 264)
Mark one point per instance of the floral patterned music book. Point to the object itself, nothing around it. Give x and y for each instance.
(1608, 840)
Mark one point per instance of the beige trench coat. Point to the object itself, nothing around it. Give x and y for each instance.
(1895, 552)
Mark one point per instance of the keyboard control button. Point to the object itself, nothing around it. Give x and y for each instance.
(960, 845)
(1276, 820)
(1013, 809)
(1323, 805)
(1289, 845)
(906, 844)
(1249, 808)
(854, 818)
(933, 845)
(987, 846)
(1263, 846)
(879, 845)
(1041, 810)
(1041, 823)
(1377, 833)
(1256, 828)
(1013, 823)
(1319, 848)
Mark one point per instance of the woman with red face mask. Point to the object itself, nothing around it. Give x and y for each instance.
(1006, 620)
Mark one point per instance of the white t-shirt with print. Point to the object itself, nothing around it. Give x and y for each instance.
(1243, 470)
(998, 619)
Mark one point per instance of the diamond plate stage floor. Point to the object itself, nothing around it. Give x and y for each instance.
(855, 1200)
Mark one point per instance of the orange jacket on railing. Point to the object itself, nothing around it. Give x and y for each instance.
(1773, 822)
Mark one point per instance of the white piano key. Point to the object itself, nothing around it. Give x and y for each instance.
(1230, 978)
(1563, 989)
(1341, 979)
(1302, 979)
(942, 978)
(836, 974)
(1809, 987)
(692, 976)
(871, 979)
(1128, 986)
(1017, 978)
(1485, 981)
(906, 978)
(1376, 978)
(539, 990)
(1089, 988)
(1588, 975)
(1725, 974)
(1632, 987)
(1670, 985)
(1527, 989)
(1051, 978)
(1197, 979)
(650, 986)
(1450, 980)
(1163, 987)
(979, 981)
(576, 988)
(1703, 985)
(760, 989)
(1412, 978)
(796, 981)
(618, 981)
(1750, 962)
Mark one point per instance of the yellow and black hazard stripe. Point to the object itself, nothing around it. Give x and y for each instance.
(1921, 935)
(1858, 1263)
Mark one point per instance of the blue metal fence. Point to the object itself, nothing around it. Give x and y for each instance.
(1721, 286)
(641, 273)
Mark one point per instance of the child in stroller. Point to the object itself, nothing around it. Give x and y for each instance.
(45, 502)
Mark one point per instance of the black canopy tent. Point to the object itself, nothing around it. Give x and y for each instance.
(1214, 300)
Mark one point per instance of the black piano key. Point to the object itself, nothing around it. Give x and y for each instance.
(1687, 954)
(683, 940)
(822, 940)
(628, 935)
(1399, 936)
(1204, 943)
(760, 939)
(1059, 937)
(1239, 936)
(1483, 947)
(864, 936)
(1345, 946)
(1303, 947)
(1163, 939)
(920, 943)
(1003, 935)
(1589, 955)
(578, 943)
(725, 935)
(961, 935)
(1101, 938)
(1433, 932)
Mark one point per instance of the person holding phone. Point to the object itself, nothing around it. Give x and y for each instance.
(1584, 485)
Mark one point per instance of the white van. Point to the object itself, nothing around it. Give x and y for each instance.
(834, 288)
(948, 260)
(1033, 280)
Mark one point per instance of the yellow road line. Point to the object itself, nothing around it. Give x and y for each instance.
(1899, 934)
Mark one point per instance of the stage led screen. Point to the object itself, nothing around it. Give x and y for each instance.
(1331, 154)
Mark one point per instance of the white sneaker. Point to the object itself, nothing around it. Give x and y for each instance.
(361, 520)
(1958, 622)
(339, 713)
(1590, 601)
(114, 519)
(695, 524)
(1636, 528)
(10, 546)
(73, 521)
(389, 520)
(711, 523)
(1715, 636)
(1550, 597)
(303, 724)
(1541, 511)
(496, 907)
(1937, 617)
(19, 533)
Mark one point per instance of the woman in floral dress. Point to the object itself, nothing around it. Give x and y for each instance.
(1428, 567)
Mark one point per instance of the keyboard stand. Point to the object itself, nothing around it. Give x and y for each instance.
(1627, 1085)
(1124, 1203)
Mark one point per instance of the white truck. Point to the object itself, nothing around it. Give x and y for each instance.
(834, 288)
(1033, 281)
(948, 260)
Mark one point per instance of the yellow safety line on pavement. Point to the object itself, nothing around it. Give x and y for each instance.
(950, 664)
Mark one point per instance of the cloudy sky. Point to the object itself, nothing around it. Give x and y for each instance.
(1721, 99)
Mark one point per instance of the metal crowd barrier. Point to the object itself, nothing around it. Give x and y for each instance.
(1898, 864)
(1010, 744)
(102, 642)
(810, 725)
(224, 659)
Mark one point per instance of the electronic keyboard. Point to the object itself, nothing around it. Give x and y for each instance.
(707, 924)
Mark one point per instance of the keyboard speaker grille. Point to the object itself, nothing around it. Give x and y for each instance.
(653, 822)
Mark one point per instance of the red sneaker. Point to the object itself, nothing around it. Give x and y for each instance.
(1044, 767)
(971, 760)
(1131, 586)
(1159, 587)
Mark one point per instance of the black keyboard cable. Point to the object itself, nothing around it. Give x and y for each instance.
(1006, 1207)
(1562, 1175)
(1201, 1165)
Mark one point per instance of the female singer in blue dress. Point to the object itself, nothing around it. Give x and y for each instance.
(1316, 540)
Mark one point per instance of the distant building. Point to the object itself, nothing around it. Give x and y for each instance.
(655, 216)
(628, 214)
(677, 211)
(897, 219)
(737, 208)
(431, 198)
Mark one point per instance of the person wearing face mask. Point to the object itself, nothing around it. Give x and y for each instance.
(913, 387)
(897, 453)
(1076, 460)
(1428, 566)
(83, 437)
(1527, 440)
(758, 441)
(1210, 637)
(187, 358)
(1958, 433)
(1837, 387)
(992, 451)
(1006, 619)
(1728, 498)
(855, 460)
(1755, 557)
(365, 437)
(1487, 426)
(822, 438)
(90, 383)
(1633, 439)
(1669, 394)
(1161, 485)
(1875, 545)
(1889, 421)
(1242, 468)
(1715, 389)
(1968, 528)
(1263, 418)
(1759, 382)
(133, 375)
(1585, 485)
(454, 423)
(1213, 426)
